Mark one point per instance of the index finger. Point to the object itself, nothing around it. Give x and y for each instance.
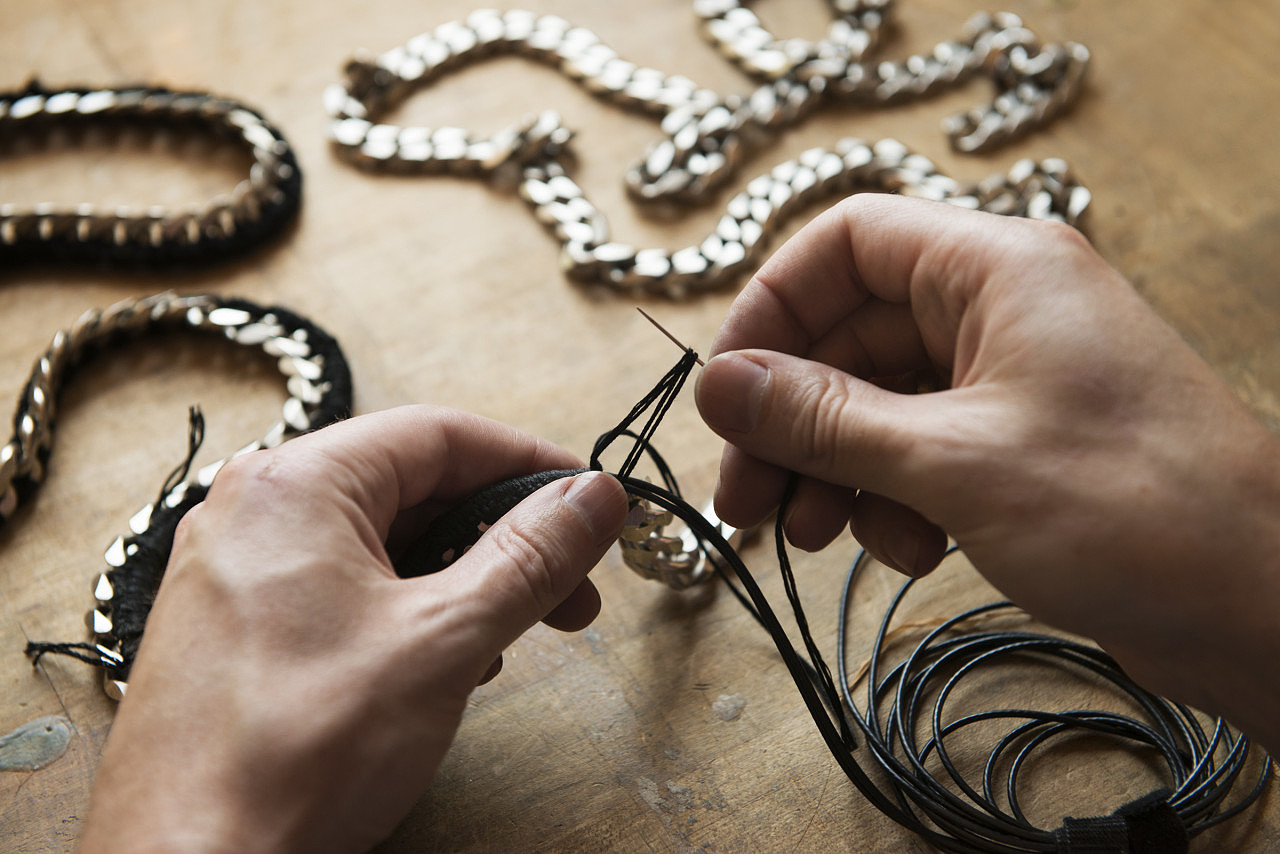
(844, 284)
(399, 458)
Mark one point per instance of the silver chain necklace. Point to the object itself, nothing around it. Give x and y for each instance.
(706, 134)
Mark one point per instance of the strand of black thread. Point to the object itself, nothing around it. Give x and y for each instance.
(195, 438)
(660, 398)
(811, 676)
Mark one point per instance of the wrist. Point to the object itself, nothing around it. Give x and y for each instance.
(162, 795)
(1250, 696)
(1237, 640)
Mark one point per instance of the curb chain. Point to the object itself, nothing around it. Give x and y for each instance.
(707, 135)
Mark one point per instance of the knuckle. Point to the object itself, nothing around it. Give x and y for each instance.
(835, 429)
(1056, 238)
(533, 559)
(265, 472)
(239, 472)
(1059, 232)
(825, 409)
(189, 527)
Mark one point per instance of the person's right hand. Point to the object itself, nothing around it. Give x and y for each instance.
(1087, 461)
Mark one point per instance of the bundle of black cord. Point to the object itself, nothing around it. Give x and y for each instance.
(1203, 767)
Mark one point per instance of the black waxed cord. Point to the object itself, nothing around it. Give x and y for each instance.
(1204, 767)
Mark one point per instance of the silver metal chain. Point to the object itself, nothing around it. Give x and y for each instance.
(675, 557)
(707, 134)
(260, 204)
(318, 388)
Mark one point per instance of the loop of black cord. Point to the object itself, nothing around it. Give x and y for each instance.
(1203, 766)
(660, 398)
(951, 813)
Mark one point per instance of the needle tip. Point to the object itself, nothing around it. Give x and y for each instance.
(673, 338)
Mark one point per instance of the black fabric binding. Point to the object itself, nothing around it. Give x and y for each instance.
(1149, 825)
(454, 531)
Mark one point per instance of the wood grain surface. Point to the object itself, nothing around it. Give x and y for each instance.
(671, 724)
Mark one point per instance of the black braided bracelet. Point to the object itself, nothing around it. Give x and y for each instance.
(320, 392)
(230, 225)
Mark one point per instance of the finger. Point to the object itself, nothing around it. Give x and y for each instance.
(880, 339)
(394, 459)
(771, 313)
(578, 609)
(819, 421)
(869, 248)
(531, 561)
(898, 536)
(817, 514)
(748, 489)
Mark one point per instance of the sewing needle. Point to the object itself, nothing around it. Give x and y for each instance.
(664, 331)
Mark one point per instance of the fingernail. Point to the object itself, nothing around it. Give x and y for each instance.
(904, 555)
(599, 501)
(730, 392)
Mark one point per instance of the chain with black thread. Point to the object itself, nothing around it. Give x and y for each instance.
(319, 384)
(707, 135)
(940, 804)
(256, 209)
(675, 558)
(319, 387)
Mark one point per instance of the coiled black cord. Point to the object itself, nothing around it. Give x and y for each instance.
(1203, 765)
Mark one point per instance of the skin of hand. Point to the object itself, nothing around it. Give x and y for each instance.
(292, 693)
(1086, 460)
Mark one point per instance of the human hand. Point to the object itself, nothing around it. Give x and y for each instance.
(1087, 461)
(291, 692)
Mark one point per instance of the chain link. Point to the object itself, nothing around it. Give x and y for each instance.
(707, 134)
(674, 558)
(256, 208)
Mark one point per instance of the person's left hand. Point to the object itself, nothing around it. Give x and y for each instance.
(291, 692)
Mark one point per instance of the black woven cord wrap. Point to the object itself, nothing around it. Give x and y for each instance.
(451, 533)
(1149, 825)
(137, 580)
(144, 555)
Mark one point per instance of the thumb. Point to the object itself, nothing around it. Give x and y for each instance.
(816, 420)
(535, 557)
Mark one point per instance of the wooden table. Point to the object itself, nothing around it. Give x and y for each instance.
(446, 290)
